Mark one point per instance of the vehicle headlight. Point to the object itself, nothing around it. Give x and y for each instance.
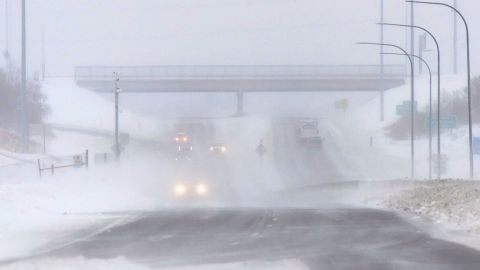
(211, 148)
(224, 149)
(180, 190)
(201, 189)
(177, 139)
(185, 139)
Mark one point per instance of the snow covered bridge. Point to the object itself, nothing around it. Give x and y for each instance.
(240, 79)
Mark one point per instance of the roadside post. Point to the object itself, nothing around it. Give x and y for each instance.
(440, 164)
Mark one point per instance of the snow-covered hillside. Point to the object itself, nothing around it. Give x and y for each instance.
(361, 124)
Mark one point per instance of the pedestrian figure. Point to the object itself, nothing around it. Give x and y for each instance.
(261, 150)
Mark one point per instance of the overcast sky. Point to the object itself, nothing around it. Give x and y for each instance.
(163, 32)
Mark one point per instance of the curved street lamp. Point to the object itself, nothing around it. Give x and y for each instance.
(429, 110)
(439, 67)
(469, 93)
(412, 100)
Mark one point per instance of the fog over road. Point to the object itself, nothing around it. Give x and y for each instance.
(319, 236)
(302, 164)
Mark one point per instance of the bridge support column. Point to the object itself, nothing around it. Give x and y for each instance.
(240, 111)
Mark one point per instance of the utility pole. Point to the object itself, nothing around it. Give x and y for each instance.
(6, 53)
(117, 93)
(412, 34)
(412, 101)
(430, 155)
(439, 67)
(382, 82)
(23, 95)
(455, 37)
(469, 82)
(43, 56)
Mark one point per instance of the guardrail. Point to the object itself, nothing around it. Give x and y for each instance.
(165, 72)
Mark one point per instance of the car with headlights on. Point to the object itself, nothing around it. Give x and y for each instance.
(181, 137)
(190, 190)
(218, 148)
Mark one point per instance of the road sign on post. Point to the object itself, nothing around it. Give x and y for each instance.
(404, 109)
(341, 104)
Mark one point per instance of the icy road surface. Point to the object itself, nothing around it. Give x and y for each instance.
(320, 239)
(280, 229)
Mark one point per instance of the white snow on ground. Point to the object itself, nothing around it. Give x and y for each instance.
(75, 107)
(453, 203)
(451, 206)
(34, 210)
(30, 206)
(388, 158)
(120, 263)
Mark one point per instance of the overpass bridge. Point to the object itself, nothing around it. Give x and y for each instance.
(240, 79)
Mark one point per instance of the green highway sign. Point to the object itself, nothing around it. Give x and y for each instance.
(341, 104)
(404, 109)
(446, 121)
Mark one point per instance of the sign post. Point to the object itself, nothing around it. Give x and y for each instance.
(440, 165)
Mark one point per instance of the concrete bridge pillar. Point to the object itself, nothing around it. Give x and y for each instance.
(240, 111)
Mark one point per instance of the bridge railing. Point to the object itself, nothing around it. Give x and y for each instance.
(152, 72)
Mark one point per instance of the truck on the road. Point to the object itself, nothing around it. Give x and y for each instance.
(308, 131)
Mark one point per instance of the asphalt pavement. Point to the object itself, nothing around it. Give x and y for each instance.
(334, 237)
(320, 238)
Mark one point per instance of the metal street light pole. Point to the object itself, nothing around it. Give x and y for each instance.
(412, 33)
(382, 71)
(23, 91)
(439, 68)
(412, 101)
(429, 111)
(117, 92)
(7, 49)
(455, 37)
(469, 93)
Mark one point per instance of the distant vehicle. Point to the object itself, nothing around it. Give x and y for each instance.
(309, 132)
(181, 138)
(218, 148)
(184, 151)
(191, 190)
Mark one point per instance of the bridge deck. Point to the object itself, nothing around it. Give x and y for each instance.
(219, 72)
(240, 78)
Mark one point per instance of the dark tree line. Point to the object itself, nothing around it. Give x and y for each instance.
(453, 103)
(10, 102)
